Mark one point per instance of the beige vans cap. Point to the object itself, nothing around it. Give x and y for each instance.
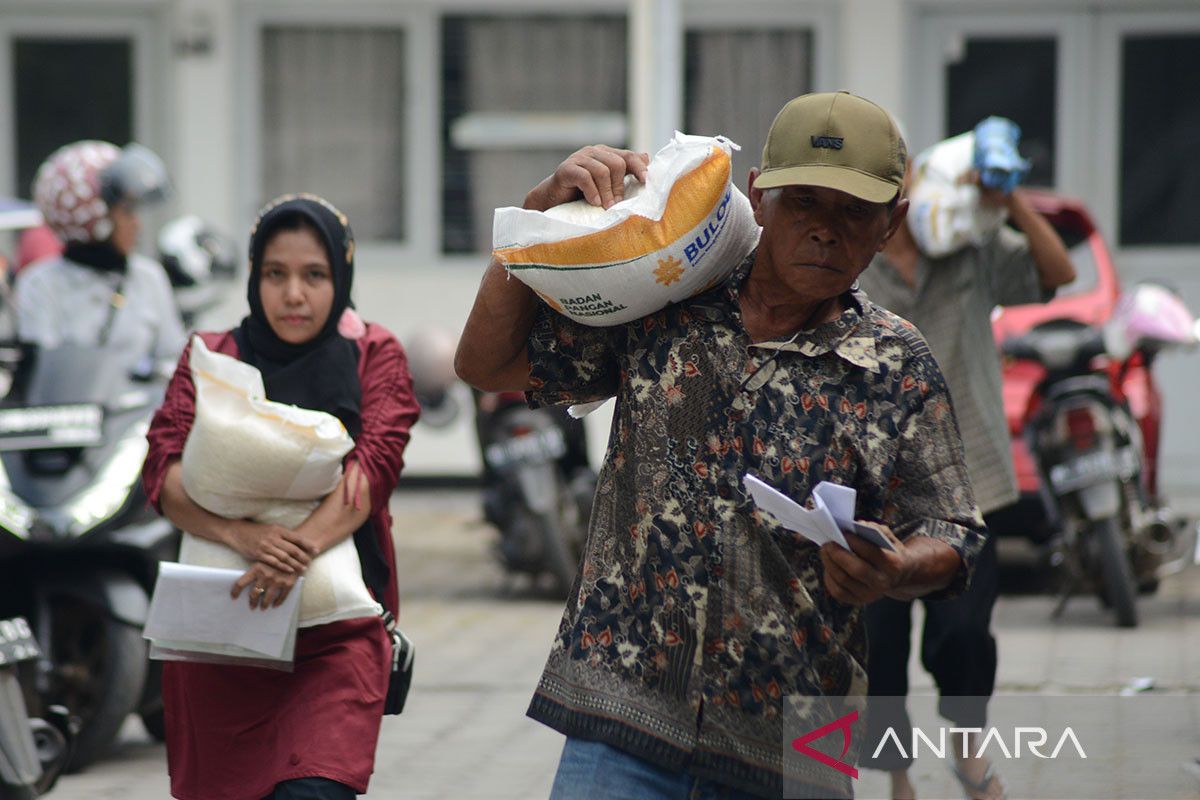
(835, 140)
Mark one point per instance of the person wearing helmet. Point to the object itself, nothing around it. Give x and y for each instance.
(99, 291)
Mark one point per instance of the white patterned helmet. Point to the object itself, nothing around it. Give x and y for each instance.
(78, 183)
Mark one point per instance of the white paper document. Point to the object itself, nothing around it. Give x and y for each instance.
(829, 521)
(192, 612)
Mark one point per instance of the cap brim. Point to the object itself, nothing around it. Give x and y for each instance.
(830, 176)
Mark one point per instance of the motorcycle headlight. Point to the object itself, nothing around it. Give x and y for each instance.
(113, 483)
(15, 516)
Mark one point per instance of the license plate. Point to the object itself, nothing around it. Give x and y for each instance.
(16, 641)
(1093, 468)
(540, 446)
(42, 427)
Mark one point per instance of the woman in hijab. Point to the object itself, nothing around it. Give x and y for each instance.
(244, 733)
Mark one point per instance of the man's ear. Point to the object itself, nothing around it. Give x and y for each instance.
(754, 194)
(899, 213)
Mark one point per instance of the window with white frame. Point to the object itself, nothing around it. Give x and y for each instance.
(57, 82)
(1014, 77)
(1160, 122)
(332, 117)
(520, 94)
(735, 82)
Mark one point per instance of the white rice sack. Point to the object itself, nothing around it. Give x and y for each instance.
(944, 213)
(250, 458)
(682, 232)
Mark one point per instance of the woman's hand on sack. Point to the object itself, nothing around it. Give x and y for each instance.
(277, 547)
(268, 586)
(597, 172)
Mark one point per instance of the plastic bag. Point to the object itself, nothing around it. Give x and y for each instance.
(944, 213)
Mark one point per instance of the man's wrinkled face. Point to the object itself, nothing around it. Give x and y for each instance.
(816, 241)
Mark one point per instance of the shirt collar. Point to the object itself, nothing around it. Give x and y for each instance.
(851, 336)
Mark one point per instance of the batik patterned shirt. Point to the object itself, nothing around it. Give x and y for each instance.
(694, 613)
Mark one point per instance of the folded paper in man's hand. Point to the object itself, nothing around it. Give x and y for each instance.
(832, 516)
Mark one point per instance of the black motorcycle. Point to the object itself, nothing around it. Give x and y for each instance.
(79, 546)
(537, 486)
(33, 750)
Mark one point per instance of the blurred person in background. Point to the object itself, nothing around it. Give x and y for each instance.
(99, 291)
(950, 300)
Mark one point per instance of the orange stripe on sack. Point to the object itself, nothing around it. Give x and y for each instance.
(692, 198)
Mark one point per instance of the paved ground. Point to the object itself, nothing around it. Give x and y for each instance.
(482, 640)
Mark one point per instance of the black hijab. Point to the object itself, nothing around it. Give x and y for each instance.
(322, 373)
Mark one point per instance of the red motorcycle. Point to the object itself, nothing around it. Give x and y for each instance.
(1084, 414)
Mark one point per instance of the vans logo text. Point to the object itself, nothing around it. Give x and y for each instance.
(830, 142)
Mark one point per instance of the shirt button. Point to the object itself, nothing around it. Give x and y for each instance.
(723, 492)
(294, 760)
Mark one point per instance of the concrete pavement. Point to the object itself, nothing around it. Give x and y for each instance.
(482, 639)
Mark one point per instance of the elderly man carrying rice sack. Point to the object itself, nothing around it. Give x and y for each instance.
(700, 627)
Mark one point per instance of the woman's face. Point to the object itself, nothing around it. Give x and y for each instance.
(296, 288)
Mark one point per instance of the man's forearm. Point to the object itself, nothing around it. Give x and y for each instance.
(1053, 264)
(491, 353)
(935, 564)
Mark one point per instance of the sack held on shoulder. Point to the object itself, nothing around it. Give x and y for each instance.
(402, 665)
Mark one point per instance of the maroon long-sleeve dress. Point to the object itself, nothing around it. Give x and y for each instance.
(233, 733)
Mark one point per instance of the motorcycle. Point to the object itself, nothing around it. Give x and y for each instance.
(33, 751)
(1112, 534)
(537, 486)
(79, 546)
(200, 262)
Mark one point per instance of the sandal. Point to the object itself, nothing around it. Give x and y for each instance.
(979, 791)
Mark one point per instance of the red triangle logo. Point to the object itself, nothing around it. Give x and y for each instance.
(800, 744)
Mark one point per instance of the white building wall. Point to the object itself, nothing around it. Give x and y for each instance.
(870, 47)
(201, 105)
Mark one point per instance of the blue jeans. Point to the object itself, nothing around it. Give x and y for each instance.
(597, 771)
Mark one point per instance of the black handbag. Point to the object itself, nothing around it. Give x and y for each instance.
(400, 678)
